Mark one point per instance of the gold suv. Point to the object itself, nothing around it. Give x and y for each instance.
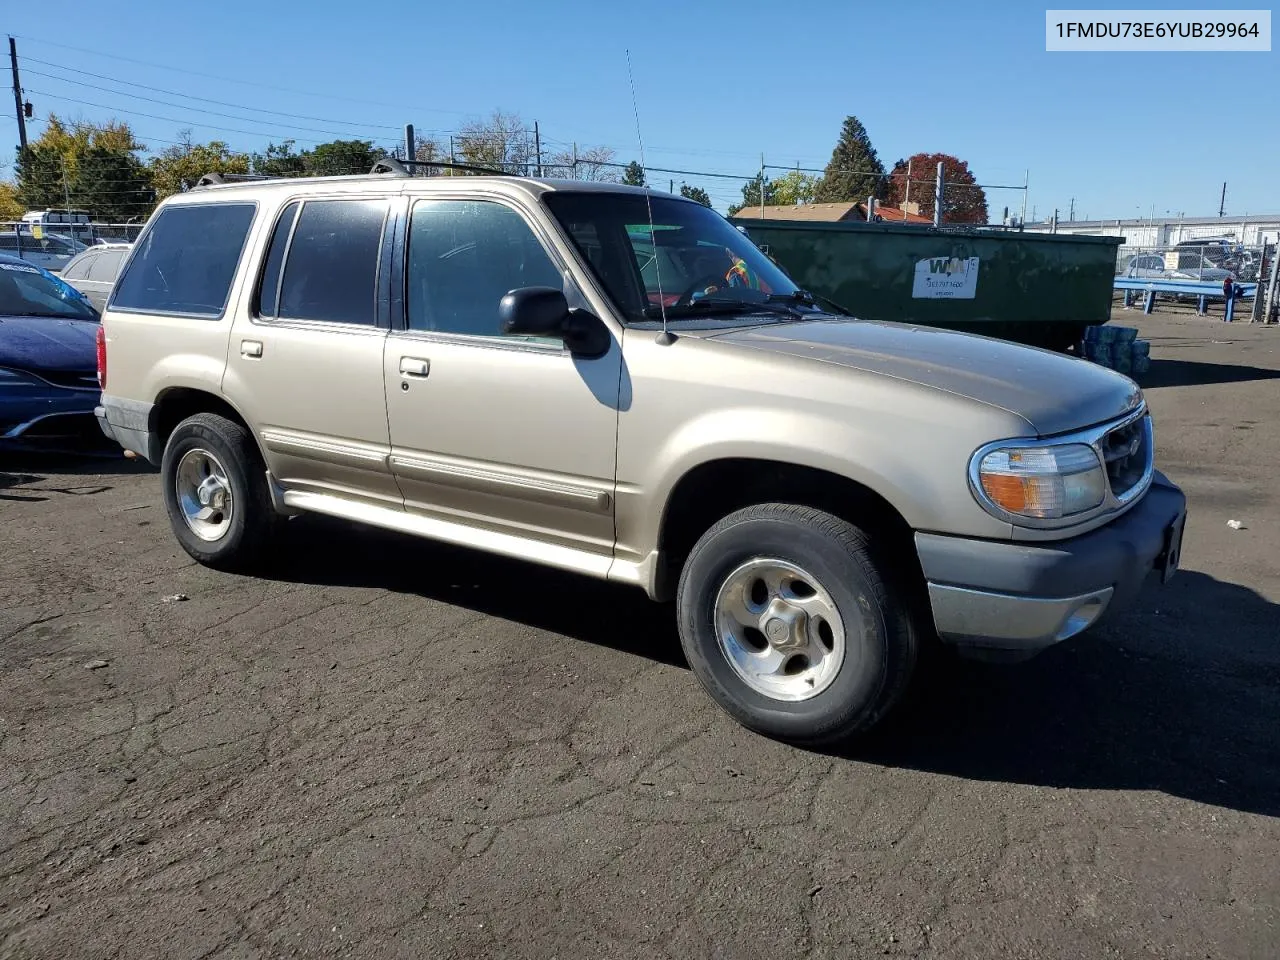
(618, 383)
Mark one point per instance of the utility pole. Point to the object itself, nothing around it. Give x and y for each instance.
(17, 94)
(410, 153)
(575, 160)
(937, 197)
(1026, 182)
(537, 147)
(1222, 204)
(1072, 215)
(762, 186)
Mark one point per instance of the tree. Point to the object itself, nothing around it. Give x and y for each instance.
(502, 142)
(794, 187)
(11, 208)
(592, 163)
(695, 193)
(633, 175)
(751, 195)
(279, 161)
(85, 165)
(854, 171)
(963, 201)
(339, 158)
(177, 168)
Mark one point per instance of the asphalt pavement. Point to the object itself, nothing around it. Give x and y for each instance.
(388, 748)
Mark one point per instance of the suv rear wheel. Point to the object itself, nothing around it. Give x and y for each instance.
(790, 623)
(215, 491)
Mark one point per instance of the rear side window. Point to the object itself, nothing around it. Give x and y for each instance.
(186, 260)
(269, 289)
(78, 269)
(332, 269)
(105, 266)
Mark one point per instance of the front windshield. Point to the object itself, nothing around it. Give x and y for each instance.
(27, 291)
(691, 258)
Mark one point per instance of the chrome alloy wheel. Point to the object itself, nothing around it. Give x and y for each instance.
(779, 629)
(204, 494)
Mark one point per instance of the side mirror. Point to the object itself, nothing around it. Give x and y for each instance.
(544, 312)
(534, 311)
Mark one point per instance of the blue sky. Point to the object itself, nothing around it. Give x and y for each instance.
(717, 85)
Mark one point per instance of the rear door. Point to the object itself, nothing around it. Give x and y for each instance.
(305, 359)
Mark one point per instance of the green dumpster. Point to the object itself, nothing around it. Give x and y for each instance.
(1035, 288)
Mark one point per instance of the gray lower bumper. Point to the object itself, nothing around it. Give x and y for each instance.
(1024, 597)
(128, 423)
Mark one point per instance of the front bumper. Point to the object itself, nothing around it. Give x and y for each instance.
(1023, 597)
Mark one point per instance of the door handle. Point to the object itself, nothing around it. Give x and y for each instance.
(414, 367)
(250, 348)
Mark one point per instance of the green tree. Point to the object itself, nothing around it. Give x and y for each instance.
(279, 161)
(11, 208)
(114, 186)
(695, 193)
(794, 187)
(177, 168)
(633, 175)
(85, 165)
(751, 195)
(339, 158)
(854, 171)
(963, 201)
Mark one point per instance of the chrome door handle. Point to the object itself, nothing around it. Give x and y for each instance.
(250, 348)
(414, 367)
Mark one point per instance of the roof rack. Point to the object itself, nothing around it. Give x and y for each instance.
(400, 168)
(213, 179)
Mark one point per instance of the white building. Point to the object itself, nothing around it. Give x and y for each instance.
(1250, 230)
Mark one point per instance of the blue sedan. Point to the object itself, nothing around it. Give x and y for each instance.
(48, 362)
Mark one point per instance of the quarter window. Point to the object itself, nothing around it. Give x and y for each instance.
(186, 260)
(79, 269)
(105, 266)
(332, 271)
(464, 256)
(270, 286)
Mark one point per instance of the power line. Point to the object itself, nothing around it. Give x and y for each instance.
(247, 83)
(185, 122)
(180, 106)
(187, 96)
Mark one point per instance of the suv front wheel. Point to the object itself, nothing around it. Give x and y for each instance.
(792, 625)
(215, 491)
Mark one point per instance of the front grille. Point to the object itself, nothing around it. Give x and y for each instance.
(1127, 455)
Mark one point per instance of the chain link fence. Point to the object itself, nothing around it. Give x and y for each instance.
(1194, 260)
(52, 245)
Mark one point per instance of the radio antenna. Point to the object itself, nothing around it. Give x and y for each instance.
(664, 338)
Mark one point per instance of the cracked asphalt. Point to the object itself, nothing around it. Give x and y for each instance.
(387, 748)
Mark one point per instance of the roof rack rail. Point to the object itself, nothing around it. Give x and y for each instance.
(213, 179)
(400, 168)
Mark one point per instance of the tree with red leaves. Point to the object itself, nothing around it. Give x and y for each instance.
(963, 201)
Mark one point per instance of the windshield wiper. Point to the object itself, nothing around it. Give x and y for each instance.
(717, 306)
(796, 296)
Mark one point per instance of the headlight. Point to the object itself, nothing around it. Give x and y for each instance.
(1042, 482)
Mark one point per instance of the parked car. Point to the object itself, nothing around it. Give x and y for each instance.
(478, 361)
(93, 271)
(1151, 266)
(48, 362)
(51, 251)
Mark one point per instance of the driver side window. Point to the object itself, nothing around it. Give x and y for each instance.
(464, 257)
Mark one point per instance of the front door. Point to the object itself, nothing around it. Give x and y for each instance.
(305, 363)
(512, 434)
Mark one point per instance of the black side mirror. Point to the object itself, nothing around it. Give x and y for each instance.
(534, 311)
(544, 312)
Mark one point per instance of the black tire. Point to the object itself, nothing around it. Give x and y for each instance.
(879, 657)
(253, 520)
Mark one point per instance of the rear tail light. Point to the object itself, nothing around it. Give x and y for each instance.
(102, 358)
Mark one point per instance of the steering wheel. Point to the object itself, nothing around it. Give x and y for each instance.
(720, 279)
